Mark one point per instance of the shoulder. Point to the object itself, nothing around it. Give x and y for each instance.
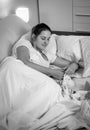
(23, 53)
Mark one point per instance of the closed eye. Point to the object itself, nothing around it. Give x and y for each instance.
(44, 38)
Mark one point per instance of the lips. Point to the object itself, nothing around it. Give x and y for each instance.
(44, 45)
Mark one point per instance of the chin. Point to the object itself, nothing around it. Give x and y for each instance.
(43, 48)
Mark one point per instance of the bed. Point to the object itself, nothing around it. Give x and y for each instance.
(11, 29)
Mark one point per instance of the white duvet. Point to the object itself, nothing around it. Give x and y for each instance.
(33, 101)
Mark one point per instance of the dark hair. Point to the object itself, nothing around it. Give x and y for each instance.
(39, 28)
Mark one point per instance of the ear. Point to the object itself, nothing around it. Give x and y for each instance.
(33, 37)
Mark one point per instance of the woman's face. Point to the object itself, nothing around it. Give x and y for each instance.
(42, 40)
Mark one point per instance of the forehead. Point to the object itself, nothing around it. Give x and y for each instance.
(45, 33)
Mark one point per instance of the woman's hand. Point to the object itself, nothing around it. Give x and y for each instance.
(57, 74)
(71, 69)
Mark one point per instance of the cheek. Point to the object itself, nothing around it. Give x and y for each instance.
(39, 42)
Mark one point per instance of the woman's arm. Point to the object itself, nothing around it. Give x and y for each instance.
(61, 62)
(73, 67)
(23, 55)
(70, 67)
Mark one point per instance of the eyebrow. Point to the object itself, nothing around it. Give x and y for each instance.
(44, 36)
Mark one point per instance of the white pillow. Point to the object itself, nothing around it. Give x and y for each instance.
(85, 47)
(68, 46)
(27, 35)
(51, 48)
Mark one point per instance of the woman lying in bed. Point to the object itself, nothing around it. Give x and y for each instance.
(29, 98)
(33, 53)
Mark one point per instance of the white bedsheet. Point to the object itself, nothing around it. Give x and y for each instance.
(32, 100)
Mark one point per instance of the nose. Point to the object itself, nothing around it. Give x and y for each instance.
(46, 42)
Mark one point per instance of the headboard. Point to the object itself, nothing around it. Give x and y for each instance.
(71, 33)
(11, 29)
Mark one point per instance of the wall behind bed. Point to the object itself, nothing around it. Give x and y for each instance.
(60, 15)
(66, 15)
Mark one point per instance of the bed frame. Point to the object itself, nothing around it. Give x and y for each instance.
(71, 33)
